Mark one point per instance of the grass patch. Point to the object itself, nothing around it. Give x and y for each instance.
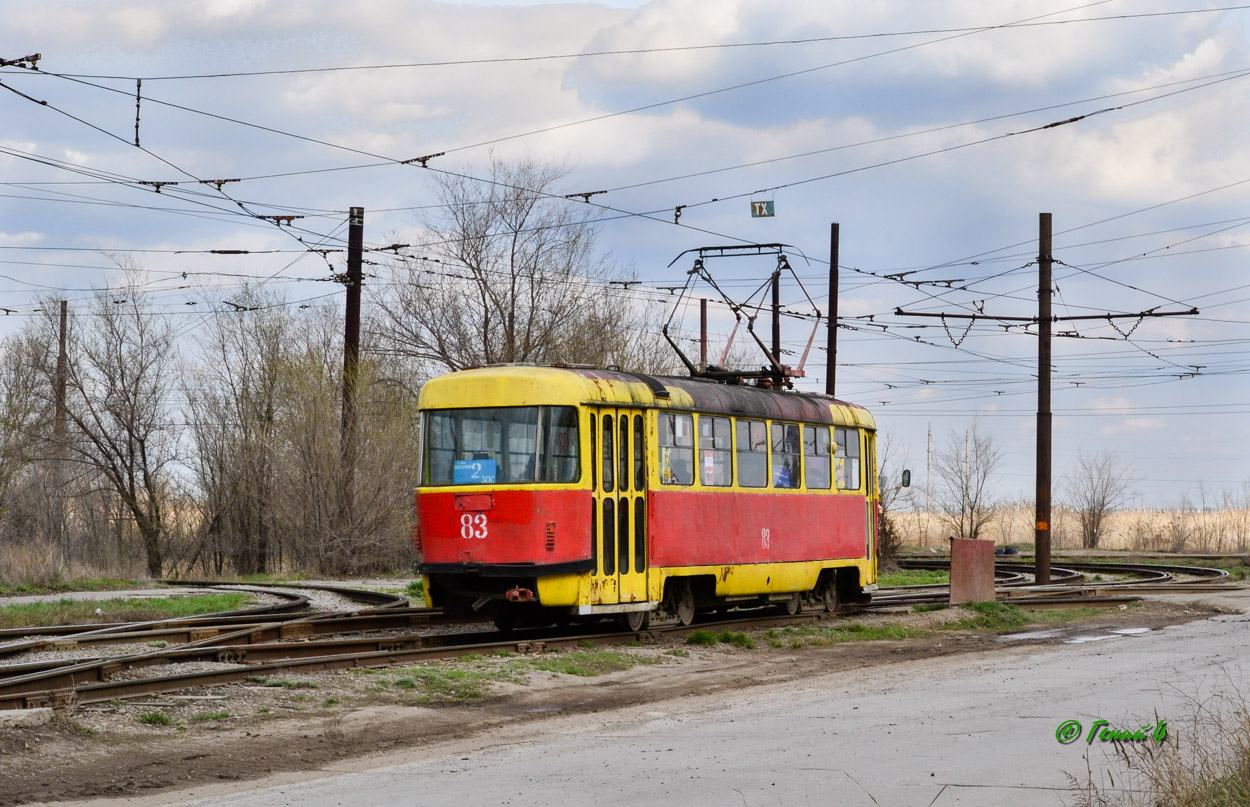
(678, 652)
(438, 683)
(156, 719)
(330, 702)
(992, 616)
(708, 639)
(588, 663)
(808, 635)
(924, 608)
(416, 590)
(209, 717)
(56, 584)
(1060, 616)
(915, 577)
(736, 638)
(702, 637)
(72, 612)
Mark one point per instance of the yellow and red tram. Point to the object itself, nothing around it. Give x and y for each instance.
(549, 493)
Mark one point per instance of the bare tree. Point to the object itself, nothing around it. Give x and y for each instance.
(965, 469)
(893, 495)
(1097, 486)
(235, 411)
(121, 382)
(513, 274)
(31, 493)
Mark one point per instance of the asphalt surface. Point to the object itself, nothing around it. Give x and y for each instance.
(976, 729)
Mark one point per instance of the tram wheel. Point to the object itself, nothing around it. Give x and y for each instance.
(684, 603)
(636, 621)
(829, 596)
(794, 604)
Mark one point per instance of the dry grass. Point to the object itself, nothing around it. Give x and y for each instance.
(37, 567)
(1204, 762)
(1184, 529)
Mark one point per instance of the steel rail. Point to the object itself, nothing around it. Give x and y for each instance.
(266, 647)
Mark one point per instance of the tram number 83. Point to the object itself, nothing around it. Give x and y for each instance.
(473, 525)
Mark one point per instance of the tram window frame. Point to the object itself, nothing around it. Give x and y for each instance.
(560, 445)
(676, 447)
(640, 456)
(606, 453)
(787, 451)
(754, 434)
(622, 453)
(716, 458)
(846, 459)
(594, 452)
(515, 439)
(817, 458)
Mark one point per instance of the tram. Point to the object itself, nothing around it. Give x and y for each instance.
(549, 494)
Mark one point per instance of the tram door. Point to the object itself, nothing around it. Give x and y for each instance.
(620, 519)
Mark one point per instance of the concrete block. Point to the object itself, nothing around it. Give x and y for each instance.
(25, 718)
(972, 571)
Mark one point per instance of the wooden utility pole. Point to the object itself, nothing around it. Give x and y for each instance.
(831, 346)
(1041, 549)
(351, 351)
(59, 434)
(351, 323)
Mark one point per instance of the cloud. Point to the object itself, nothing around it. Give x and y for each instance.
(1133, 425)
(25, 239)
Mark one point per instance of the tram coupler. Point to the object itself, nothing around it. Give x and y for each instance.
(519, 594)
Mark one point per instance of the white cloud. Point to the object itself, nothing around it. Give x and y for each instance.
(1133, 425)
(25, 239)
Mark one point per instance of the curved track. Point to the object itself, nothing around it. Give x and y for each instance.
(265, 640)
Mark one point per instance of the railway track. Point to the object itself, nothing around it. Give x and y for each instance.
(253, 643)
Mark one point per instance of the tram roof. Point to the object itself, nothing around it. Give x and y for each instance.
(534, 385)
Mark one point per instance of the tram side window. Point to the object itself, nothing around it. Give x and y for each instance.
(752, 454)
(846, 460)
(609, 464)
(816, 457)
(785, 455)
(715, 451)
(560, 443)
(481, 446)
(676, 448)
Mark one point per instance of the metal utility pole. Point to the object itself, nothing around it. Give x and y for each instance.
(928, 475)
(1045, 319)
(703, 334)
(351, 348)
(1041, 549)
(831, 347)
(778, 379)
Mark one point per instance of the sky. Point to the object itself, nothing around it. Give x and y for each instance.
(934, 133)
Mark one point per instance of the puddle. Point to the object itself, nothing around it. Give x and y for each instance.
(1033, 634)
(1131, 631)
(1084, 639)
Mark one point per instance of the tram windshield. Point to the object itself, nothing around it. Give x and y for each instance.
(501, 445)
